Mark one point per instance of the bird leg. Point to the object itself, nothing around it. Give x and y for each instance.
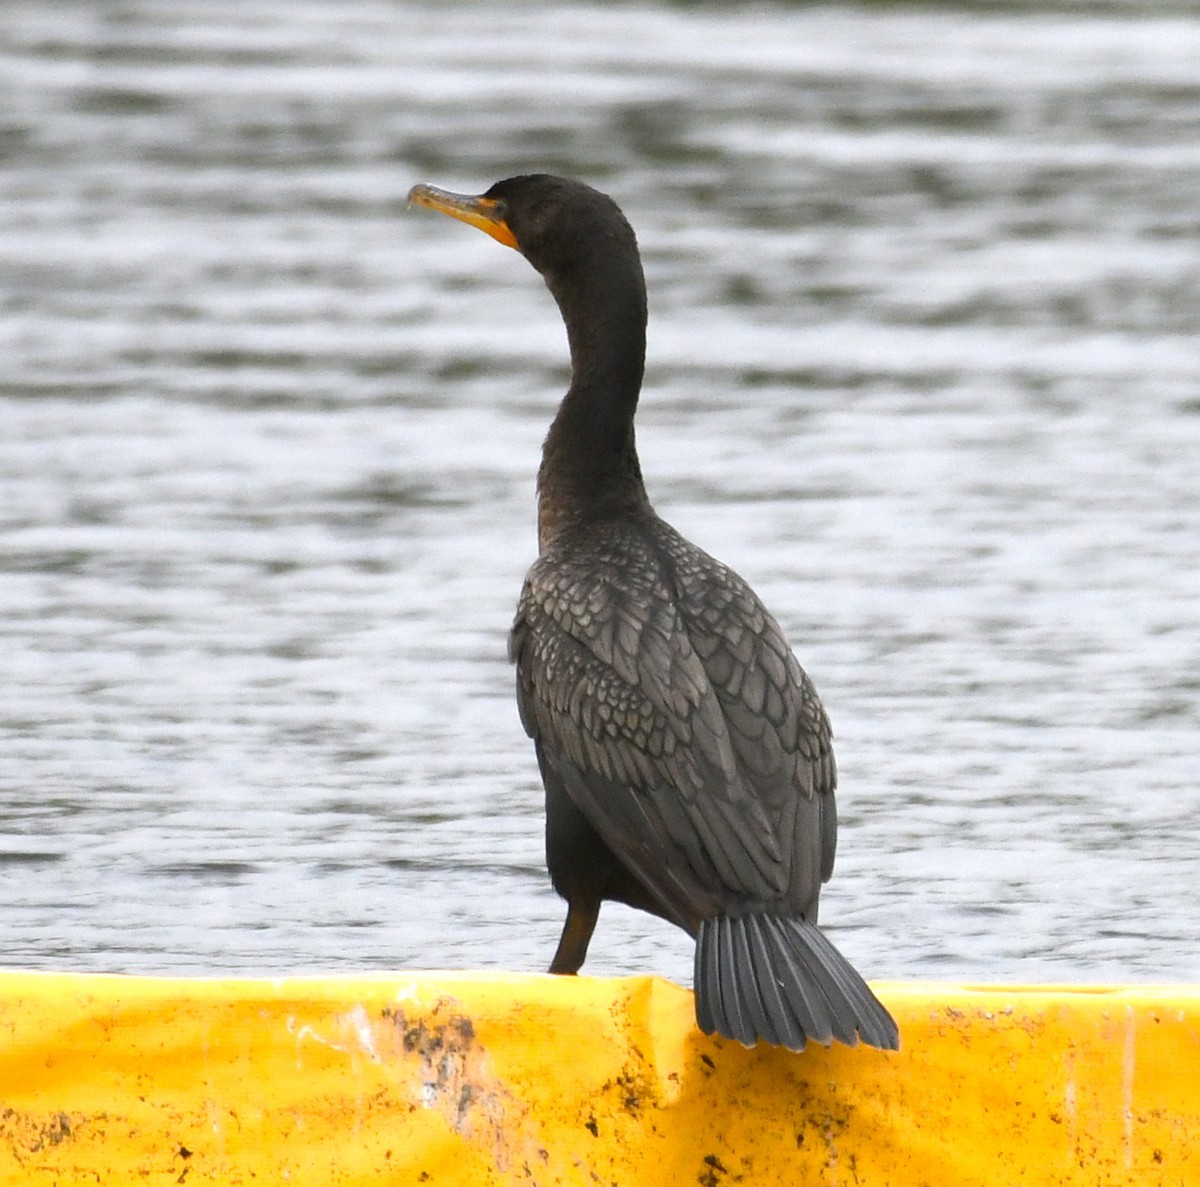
(576, 934)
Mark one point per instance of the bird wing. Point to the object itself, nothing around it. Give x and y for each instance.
(633, 684)
(778, 726)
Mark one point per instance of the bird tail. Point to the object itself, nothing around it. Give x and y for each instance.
(780, 980)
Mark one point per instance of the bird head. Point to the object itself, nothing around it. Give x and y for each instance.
(556, 223)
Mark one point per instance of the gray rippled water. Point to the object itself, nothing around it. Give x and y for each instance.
(925, 300)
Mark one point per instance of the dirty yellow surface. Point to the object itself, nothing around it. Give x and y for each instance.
(482, 1080)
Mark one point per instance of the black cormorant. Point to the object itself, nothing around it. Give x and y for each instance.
(687, 760)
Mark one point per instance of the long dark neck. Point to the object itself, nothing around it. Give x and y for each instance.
(590, 465)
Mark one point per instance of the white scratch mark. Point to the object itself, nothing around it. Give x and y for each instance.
(1069, 1105)
(357, 1021)
(1127, 1070)
(360, 1022)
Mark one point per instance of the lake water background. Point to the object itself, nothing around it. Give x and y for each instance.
(924, 367)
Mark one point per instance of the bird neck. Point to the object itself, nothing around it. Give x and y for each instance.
(590, 467)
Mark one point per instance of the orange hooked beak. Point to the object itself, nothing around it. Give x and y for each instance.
(484, 213)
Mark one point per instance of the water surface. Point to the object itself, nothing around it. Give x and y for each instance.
(923, 367)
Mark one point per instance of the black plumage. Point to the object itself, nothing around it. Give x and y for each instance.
(687, 760)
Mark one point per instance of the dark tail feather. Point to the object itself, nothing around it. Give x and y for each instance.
(780, 980)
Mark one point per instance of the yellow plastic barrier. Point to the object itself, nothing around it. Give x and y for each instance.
(480, 1080)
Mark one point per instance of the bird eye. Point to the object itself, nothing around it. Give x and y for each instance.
(500, 210)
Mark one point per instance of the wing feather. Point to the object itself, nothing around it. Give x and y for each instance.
(682, 726)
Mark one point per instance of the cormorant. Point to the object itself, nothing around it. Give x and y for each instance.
(687, 760)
